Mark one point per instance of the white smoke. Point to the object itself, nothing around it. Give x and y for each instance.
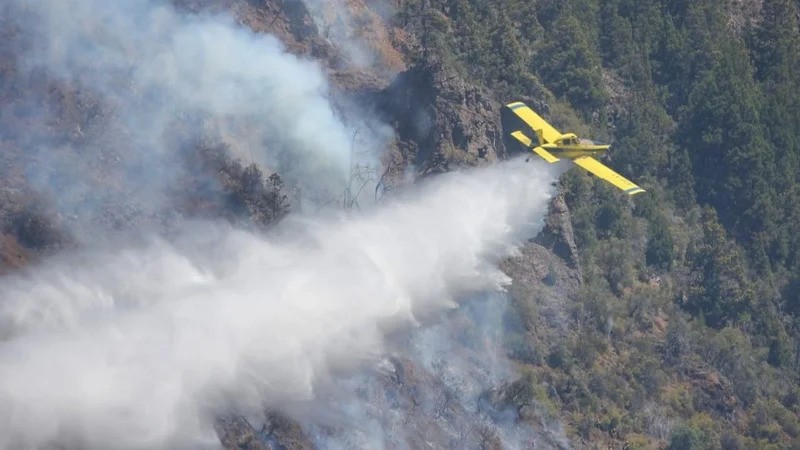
(142, 344)
(338, 26)
(156, 70)
(434, 392)
(139, 348)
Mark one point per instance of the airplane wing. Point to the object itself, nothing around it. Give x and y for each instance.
(526, 141)
(534, 121)
(596, 167)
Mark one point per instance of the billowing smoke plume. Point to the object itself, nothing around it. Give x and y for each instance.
(142, 344)
(156, 76)
(141, 347)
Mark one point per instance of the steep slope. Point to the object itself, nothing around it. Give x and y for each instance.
(668, 321)
(685, 331)
(111, 127)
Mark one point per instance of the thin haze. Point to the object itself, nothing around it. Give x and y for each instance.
(337, 26)
(435, 391)
(97, 353)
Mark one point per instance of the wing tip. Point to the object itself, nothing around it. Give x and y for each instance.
(634, 190)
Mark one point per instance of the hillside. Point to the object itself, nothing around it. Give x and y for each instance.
(684, 331)
(666, 320)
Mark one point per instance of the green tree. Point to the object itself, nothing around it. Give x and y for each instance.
(688, 438)
(776, 52)
(660, 247)
(569, 65)
(721, 293)
(730, 156)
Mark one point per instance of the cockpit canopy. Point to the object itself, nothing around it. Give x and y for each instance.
(568, 139)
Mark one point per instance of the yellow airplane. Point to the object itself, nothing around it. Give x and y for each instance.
(580, 151)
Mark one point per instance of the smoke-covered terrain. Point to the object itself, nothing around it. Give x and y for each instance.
(150, 325)
(144, 345)
(155, 78)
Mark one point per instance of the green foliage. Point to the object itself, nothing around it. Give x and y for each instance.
(730, 352)
(592, 308)
(678, 340)
(780, 349)
(660, 247)
(730, 156)
(688, 438)
(560, 357)
(776, 52)
(700, 274)
(680, 400)
(615, 261)
(527, 393)
(569, 65)
(721, 293)
(518, 322)
(646, 370)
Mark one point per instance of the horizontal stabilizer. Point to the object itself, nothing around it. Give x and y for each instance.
(595, 167)
(527, 142)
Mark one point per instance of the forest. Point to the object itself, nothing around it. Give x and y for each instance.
(689, 312)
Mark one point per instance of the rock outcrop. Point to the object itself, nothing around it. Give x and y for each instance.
(445, 120)
(12, 255)
(557, 234)
(277, 432)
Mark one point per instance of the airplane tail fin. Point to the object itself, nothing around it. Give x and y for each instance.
(539, 135)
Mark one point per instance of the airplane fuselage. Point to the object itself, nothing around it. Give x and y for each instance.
(572, 151)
